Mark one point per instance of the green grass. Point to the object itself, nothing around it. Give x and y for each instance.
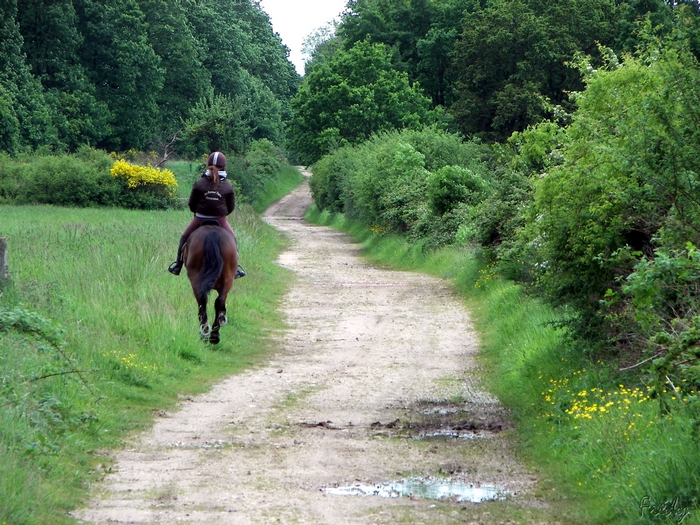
(600, 447)
(289, 178)
(186, 172)
(96, 337)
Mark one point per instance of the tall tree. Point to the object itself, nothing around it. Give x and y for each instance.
(51, 44)
(119, 59)
(25, 119)
(185, 79)
(421, 33)
(352, 95)
(511, 60)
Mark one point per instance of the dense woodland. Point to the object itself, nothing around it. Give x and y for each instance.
(131, 74)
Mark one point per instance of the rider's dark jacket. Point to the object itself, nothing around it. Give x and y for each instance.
(207, 201)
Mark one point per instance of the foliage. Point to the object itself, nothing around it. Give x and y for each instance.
(624, 175)
(421, 34)
(659, 307)
(136, 176)
(418, 182)
(260, 165)
(214, 125)
(452, 185)
(511, 60)
(124, 74)
(83, 179)
(350, 96)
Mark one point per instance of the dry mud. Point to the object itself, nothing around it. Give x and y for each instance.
(375, 381)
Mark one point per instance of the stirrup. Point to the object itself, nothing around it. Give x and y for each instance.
(175, 268)
(240, 272)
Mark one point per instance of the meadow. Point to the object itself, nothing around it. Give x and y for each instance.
(602, 448)
(97, 338)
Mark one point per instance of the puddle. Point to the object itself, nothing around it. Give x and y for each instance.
(454, 434)
(425, 489)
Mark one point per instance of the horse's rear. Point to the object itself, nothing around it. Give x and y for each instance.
(211, 260)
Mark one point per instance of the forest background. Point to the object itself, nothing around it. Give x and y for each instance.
(547, 149)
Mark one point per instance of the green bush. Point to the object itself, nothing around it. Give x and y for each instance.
(452, 185)
(254, 170)
(418, 182)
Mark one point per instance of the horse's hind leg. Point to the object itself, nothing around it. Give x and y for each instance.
(220, 320)
(214, 338)
(204, 328)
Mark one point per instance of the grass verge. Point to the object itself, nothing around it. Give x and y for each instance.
(96, 337)
(601, 448)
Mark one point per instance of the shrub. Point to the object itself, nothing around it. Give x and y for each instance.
(144, 176)
(83, 180)
(421, 182)
(452, 185)
(252, 171)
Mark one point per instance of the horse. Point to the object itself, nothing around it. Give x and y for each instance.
(211, 259)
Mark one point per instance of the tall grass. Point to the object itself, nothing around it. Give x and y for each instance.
(603, 451)
(96, 337)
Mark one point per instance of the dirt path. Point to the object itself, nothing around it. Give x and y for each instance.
(374, 382)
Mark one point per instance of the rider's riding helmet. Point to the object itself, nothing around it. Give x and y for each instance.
(217, 159)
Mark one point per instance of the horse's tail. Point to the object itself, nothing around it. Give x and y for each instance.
(212, 265)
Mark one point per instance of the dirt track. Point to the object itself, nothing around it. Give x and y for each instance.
(375, 381)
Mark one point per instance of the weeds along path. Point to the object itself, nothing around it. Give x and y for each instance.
(375, 381)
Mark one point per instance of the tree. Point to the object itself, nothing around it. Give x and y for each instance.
(51, 44)
(421, 33)
(120, 61)
(185, 79)
(349, 97)
(511, 60)
(25, 119)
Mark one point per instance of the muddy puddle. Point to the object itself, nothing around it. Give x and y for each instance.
(423, 489)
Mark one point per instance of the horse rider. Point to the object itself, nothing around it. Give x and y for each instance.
(212, 198)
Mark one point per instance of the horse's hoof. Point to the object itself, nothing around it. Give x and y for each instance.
(214, 338)
(205, 331)
(223, 321)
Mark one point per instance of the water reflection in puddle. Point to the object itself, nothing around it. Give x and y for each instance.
(454, 434)
(426, 489)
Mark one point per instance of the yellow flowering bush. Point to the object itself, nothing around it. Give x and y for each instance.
(136, 176)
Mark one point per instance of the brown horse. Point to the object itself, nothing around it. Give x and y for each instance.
(211, 259)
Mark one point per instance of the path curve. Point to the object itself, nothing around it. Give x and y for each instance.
(372, 360)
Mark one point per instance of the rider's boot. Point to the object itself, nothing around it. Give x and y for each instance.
(177, 265)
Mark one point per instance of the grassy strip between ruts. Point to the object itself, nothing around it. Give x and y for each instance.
(96, 337)
(599, 445)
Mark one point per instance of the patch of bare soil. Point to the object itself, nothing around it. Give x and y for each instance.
(375, 381)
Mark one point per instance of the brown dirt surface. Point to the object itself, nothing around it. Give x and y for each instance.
(375, 381)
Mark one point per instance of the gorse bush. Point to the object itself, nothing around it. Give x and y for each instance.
(137, 176)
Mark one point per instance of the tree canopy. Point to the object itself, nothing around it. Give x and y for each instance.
(126, 74)
(352, 95)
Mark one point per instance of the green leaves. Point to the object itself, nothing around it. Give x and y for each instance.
(350, 96)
